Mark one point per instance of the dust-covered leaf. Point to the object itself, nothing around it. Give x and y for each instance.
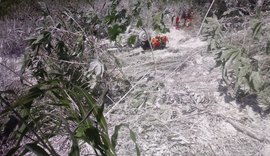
(256, 80)
(131, 134)
(139, 23)
(35, 148)
(132, 40)
(44, 8)
(12, 151)
(97, 66)
(256, 29)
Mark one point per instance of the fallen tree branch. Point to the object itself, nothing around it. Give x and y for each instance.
(243, 129)
(247, 131)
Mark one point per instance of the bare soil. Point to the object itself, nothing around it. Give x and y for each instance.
(178, 105)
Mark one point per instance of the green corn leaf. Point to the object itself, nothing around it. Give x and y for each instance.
(158, 23)
(236, 87)
(62, 51)
(134, 139)
(235, 56)
(227, 53)
(225, 74)
(256, 81)
(24, 129)
(27, 62)
(39, 39)
(109, 149)
(100, 116)
(132, 40)
(243, 71)
(79, 133)
(26, 100)
(92, 105)
(44, 9)
(39, 151)
(93, 135)
(77, 98)
(63, 101)
(139, 23)
(237, 66)
(131, 134)
(12, 151)
(114, 31)
(75, 150)
(245, 85)
(115, 135)
(24, 152)
(45, 37)
(257, 28)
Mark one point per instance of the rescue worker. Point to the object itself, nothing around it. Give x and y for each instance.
(189, 17)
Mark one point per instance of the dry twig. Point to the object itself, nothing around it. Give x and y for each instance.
(199, 32)
(8, 68)
(116, 104)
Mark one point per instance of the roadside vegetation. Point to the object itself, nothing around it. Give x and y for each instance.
(70, 78)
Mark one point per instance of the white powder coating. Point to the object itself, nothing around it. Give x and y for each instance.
(179, 109)
(180, 39)
(143, 36)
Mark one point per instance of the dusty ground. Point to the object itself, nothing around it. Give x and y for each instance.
(177, 106)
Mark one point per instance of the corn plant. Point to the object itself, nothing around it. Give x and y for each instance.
(65, 74)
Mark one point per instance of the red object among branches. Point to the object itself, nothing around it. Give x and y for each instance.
(177, 22)
(159, 42)
(186, 17)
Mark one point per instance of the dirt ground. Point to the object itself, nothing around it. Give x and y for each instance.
(179, 106)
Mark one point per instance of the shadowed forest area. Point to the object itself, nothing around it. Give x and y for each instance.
(135, 77)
